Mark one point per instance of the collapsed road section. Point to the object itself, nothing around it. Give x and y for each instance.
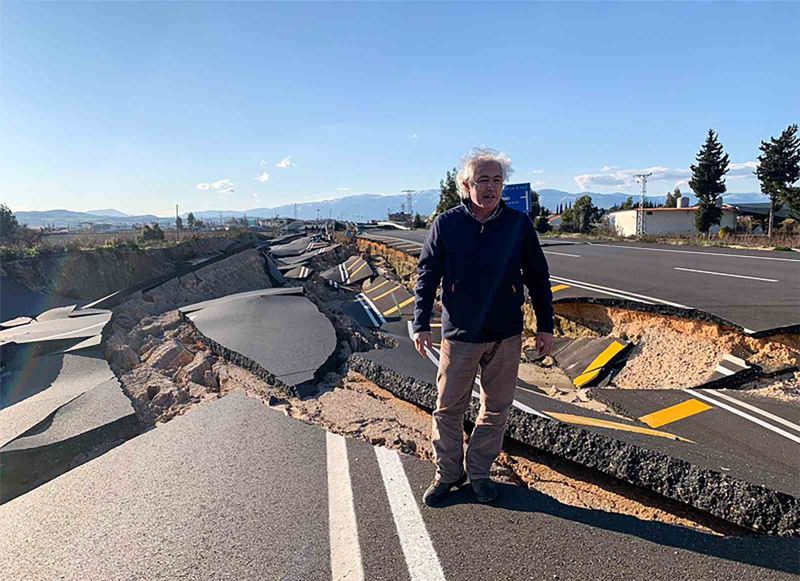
(687, 446)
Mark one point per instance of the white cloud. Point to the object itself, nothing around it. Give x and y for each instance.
(413, 136)
(255, 195)
(742, 170)
(263, 178)
(538, 183)
(220, 186)
(343, 189)
(286, 162)
(263, 162)
(611, 176)
(537, 171)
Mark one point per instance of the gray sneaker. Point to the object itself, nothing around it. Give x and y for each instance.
(438, 490)
(485, 490)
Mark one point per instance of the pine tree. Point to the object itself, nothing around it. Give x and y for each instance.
(536, 206)
(778, 169)
(190, 221)
(449, 197)
(708, 182)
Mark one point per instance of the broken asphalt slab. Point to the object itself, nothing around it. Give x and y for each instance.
(280, 336)
(56, 409)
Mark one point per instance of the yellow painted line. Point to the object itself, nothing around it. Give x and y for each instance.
(594, 368)
(376, 287)
(559, 287)
(390, 291)
(674, 413)
(436, 324)
(594, 422)
(401, 305)
(352, 274)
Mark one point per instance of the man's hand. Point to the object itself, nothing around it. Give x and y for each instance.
(544, 343)
(422, 340)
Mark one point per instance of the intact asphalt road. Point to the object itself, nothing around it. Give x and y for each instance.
(756, 290)
(238, 491)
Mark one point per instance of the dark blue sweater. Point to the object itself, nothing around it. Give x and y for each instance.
(482, 268)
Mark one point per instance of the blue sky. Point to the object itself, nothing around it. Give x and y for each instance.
(139, 106)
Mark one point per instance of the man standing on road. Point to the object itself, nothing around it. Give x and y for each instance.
(482, 252)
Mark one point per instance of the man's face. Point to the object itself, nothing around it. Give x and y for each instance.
(486, 185)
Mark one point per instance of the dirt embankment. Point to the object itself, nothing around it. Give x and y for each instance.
(671, 352)
(91, 274)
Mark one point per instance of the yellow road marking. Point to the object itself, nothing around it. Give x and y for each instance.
(351, 275)
(376, 287)
(436, 324)
(390, 291)
(401, 305)
(674, 413)
(594, 368)
(586, 421)
(559, 287)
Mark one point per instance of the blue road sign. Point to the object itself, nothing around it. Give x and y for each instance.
(518, 197)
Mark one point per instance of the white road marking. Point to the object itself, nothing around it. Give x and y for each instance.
(744, 415)
(757, 410)
(561, 253)
(617, 292)
(346, 561)
(368, 311)
(725, 370)
(696, 252)
(726, 274)
(737, 360)
(421, 558)
(371, 304)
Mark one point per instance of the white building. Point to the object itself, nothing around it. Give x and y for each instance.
(667, 220)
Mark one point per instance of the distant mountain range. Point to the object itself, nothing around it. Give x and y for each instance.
(362, 207)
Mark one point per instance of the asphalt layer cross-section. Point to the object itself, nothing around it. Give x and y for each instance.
(235, 490)
(757, 290)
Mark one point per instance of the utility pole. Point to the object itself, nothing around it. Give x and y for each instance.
(177, 217)
(640, 214)
(408, 194)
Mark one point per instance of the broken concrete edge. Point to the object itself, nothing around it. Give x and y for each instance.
(119, 297)
(735, 380)
(748, 505)
(299, 391)
(26, 469)
(671, 311)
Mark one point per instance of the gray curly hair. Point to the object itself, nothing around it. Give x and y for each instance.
(473, 158)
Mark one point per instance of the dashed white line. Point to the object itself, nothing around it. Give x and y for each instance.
(726, 274)
(561, 253)
(346, 563)
(696, 252)
(744, 415)
(421, 558)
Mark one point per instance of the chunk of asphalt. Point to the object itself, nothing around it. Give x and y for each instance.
(95, 419)
(629, 457)
(293, 248)
(282, 338)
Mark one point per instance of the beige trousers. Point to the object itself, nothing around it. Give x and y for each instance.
(458, 365)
